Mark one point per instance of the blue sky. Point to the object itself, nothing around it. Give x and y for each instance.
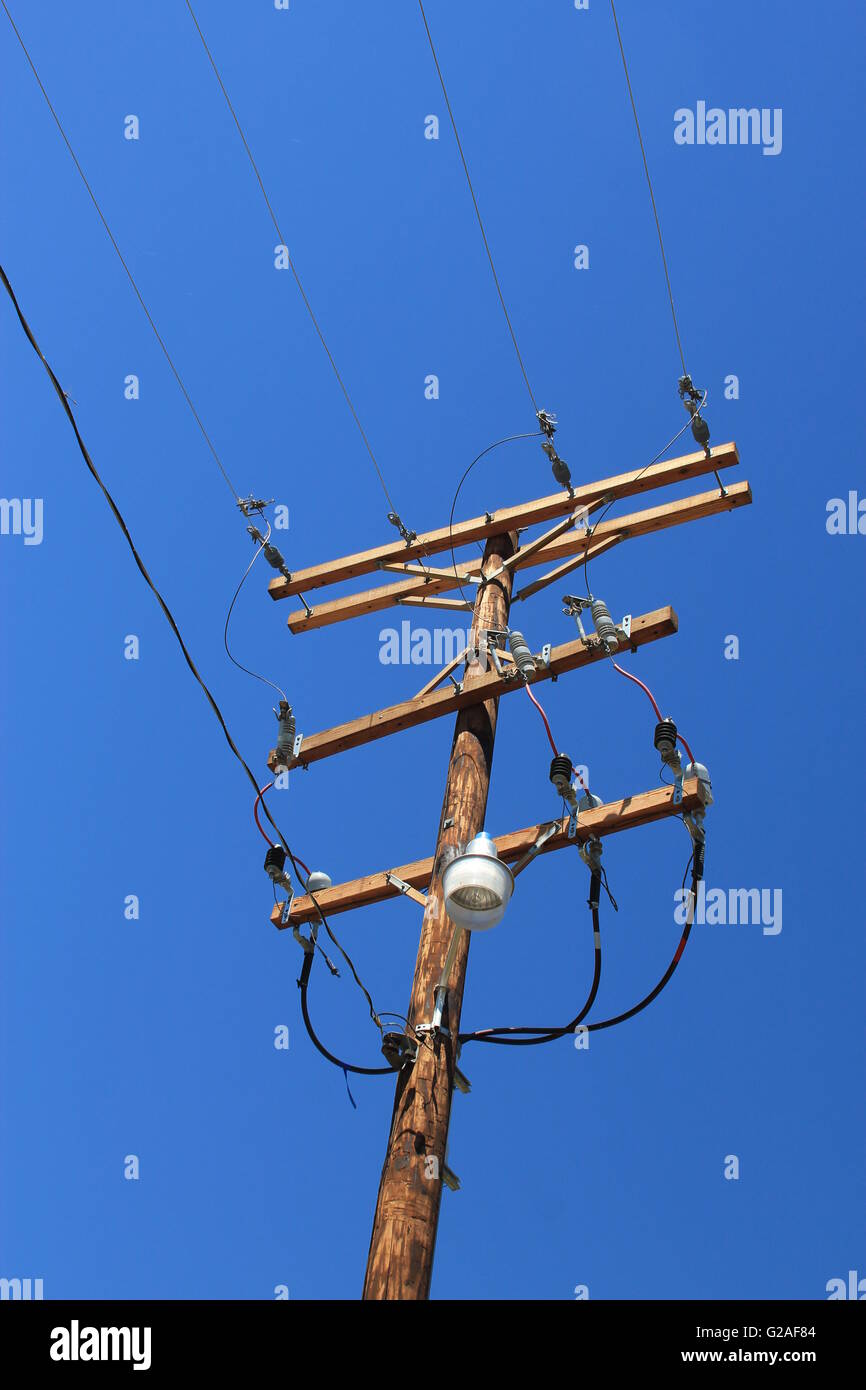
(155, 1037)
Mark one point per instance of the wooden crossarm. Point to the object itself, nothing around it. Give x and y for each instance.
(433, 705)
(603, 820)
(505, 519)
(437, 581)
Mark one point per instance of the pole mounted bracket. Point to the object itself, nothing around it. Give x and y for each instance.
(547, 833)
(406, 889)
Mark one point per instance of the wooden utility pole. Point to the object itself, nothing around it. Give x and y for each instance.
(400, 1263)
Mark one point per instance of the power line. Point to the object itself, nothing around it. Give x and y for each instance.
(130, 542)
(477, 209)
(120, 257)
(292, 267)
(118, 516)
(650, 186)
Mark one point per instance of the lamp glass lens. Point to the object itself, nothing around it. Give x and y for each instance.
(476, 898)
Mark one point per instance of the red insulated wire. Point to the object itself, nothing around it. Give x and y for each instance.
(550, 735)
(544, 717)
(629, 677)
(687, 748)
(264, 789)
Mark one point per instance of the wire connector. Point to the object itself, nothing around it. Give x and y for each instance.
(408, 536)
(273, 556)
(694, 401)
(253, 506)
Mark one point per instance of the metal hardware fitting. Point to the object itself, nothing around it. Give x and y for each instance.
(541, 841)
(399, 1050)
(406, 889)
(252, 506)
(590, 853)
(574, 605)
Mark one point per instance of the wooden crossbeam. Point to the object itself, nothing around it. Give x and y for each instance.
(647, 628)
(603, 820)
(437, 581)
(505, 519)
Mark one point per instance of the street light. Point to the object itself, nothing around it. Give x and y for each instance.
(477, 885)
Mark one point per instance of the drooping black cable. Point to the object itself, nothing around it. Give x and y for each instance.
(550, 1034)
(138, 560)
(637, 1008)
(303, 984)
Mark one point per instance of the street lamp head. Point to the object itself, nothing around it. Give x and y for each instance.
(477, 885)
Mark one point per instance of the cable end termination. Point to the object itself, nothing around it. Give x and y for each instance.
(560, 468)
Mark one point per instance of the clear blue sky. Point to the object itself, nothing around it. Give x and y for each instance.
(155, 1037)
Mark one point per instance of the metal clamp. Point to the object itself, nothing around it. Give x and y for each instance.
(406, 888)
(546, 834)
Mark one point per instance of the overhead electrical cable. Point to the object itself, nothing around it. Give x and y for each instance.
(172, 623)
(120, 256)
(650, 187)
(135, 554)
(591, 529)
(477, 209)
(293, 268)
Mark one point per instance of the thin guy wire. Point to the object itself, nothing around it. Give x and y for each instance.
(477, 209)
(129, 273)
(650, 186)
(283, 242)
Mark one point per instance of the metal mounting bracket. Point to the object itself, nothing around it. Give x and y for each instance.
(406, 889)
(527, 858)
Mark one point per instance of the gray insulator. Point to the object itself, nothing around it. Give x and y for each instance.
(698, 770)
(318, 882)
(521, 653)
(274, 557)
(286, 731)
(604, 624)
(588, 802)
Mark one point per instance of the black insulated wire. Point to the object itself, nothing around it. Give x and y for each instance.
(303, 985)
(551, 1034)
